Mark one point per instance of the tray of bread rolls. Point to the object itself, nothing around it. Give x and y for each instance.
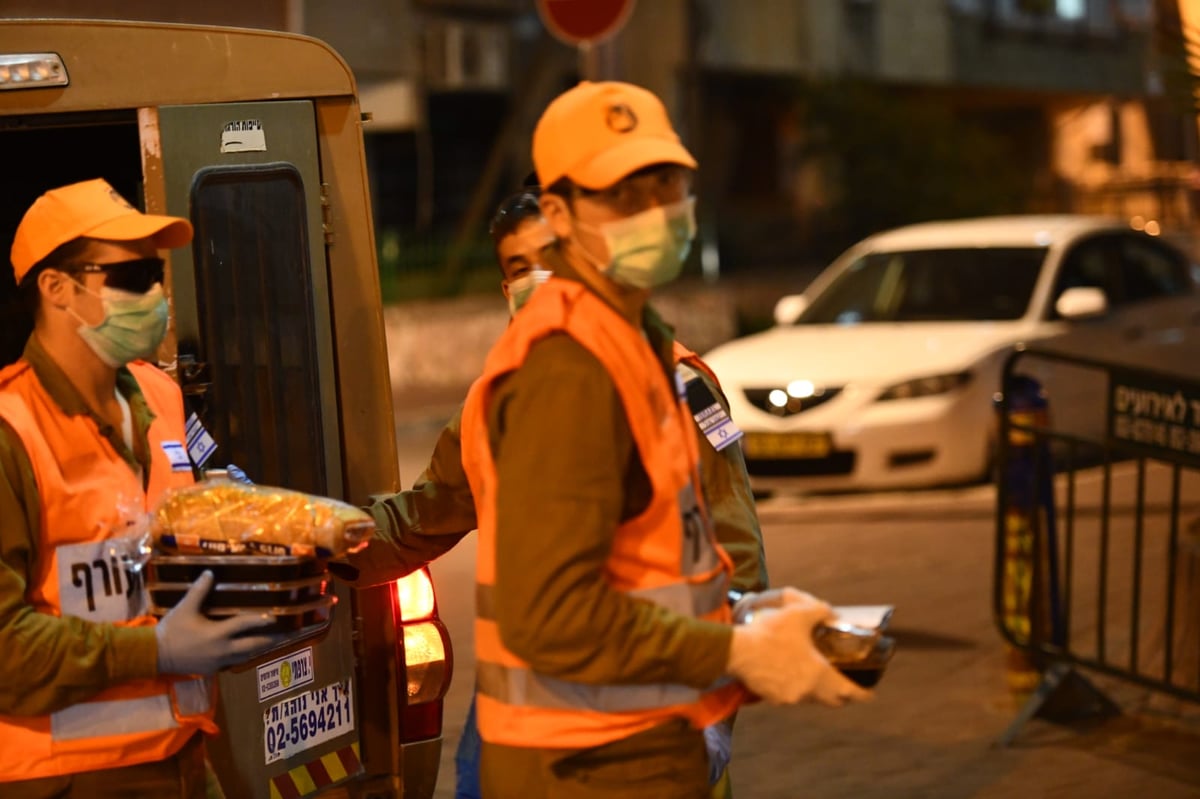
(266, 547)
(295, 591)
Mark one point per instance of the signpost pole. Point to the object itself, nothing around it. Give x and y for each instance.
(589, 61)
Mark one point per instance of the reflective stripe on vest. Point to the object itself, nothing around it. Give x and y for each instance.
(116, 717)
(188, 697)
(87, 495)
(521, 686)
(667, 554)
(525, 687)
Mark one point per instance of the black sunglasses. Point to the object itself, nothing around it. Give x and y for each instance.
(137, 276)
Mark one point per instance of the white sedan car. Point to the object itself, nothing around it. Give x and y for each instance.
(882, 374)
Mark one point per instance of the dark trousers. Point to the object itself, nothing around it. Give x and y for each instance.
(665, 762)
(181, 775)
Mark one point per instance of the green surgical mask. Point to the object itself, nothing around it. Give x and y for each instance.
(647, 249)
(520, 289)
(133, 325)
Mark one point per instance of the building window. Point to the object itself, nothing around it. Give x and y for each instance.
(1071, 9)
(1063, 9)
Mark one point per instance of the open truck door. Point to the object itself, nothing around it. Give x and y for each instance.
(277, 339)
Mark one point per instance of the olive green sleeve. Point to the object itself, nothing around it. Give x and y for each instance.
(726, 488)
(416, 526)
(50, 662)
(563, 451)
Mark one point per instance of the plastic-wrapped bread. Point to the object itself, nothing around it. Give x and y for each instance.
(227, 517)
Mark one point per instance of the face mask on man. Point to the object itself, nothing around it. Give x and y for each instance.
(133, 325)
(647, 249)
(520, 289)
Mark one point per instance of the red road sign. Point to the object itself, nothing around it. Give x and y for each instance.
(584, 21)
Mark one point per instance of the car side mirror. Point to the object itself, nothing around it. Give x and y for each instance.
(1081, 302)
(789, 308)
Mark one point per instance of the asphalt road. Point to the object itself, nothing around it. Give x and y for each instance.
(942, 705)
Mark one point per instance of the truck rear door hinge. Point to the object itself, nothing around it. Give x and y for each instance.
(326, 214)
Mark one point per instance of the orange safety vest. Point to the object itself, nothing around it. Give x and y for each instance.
(667, 554)
(688, 358)
(684, 355)
(87, 495)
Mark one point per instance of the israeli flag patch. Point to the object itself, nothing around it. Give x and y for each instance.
(710, 415)
(177, 456)
(200, 445)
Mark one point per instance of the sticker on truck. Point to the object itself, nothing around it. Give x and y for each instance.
(306, 720)
(243, 136)
(283, 674)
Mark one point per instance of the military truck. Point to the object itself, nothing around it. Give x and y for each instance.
(276, 338)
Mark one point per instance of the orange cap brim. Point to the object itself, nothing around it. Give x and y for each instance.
(166, 231)
(627, 157)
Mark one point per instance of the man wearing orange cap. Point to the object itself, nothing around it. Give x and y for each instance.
(96, 699)
(420, 524)
(604, 642)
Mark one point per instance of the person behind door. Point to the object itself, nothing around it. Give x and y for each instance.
(603, 637)
(96, 700)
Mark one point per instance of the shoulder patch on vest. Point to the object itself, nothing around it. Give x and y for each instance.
(177, 456)
(711, 417)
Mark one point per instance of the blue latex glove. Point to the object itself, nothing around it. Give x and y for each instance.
(718, 739)
(466, 758)
(236, 474)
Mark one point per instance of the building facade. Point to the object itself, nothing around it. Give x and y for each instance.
(815, 121)
(808, 115)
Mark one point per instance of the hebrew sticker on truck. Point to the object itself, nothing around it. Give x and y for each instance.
(306, 720)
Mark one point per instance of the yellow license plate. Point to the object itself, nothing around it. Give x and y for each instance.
(787, 445)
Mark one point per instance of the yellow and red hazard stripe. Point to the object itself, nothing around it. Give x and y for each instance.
(314, 775)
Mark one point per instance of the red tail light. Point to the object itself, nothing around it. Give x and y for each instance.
(424, 653)
(415, 596)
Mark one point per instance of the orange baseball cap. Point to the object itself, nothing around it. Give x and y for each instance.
(94, 209)
(597, 133)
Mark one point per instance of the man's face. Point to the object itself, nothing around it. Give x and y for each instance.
(520, 251)
(96, 256)
(654, 186)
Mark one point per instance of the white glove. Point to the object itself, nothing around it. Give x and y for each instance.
(751, 601)
(775, 657)
(191, 643)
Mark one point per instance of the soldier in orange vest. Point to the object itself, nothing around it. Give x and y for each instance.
(422, 523)
(96, 699)
(604, 641)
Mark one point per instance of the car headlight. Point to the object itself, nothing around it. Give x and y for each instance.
(925, 386)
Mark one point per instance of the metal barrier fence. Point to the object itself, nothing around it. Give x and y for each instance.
(1097, 530)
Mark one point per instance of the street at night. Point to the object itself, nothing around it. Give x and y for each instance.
(942, 704)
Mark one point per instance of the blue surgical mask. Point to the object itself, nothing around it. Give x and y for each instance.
(520, 289)
(133, 325)
(647, 249)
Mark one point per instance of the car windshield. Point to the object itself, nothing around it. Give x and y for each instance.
(973, 284)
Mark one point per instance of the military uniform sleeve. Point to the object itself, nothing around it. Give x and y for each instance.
(50, 662)
(563, 450)
(419, 525)
(726, 489)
